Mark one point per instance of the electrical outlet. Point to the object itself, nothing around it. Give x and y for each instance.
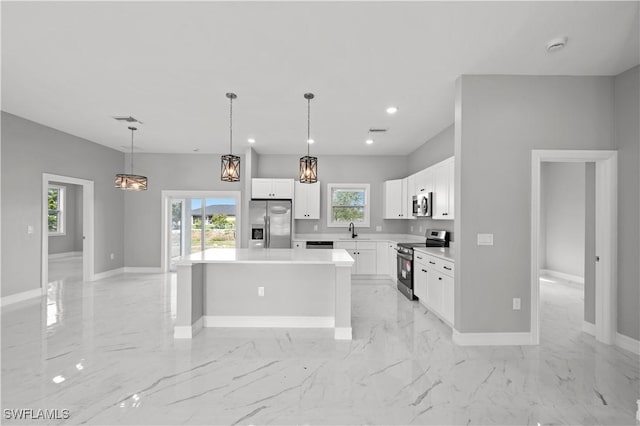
(516, 303)
(112, 256)
(315, 227)
(261, 291)
(378, 228)
(485, 239)
(29, 229)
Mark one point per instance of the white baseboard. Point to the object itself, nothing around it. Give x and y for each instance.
(589, 328)
(342, 333)
(187, 331)
(492, 339)
(20, 297)
(66, 254)
(268, 321)
(143, 269)
(562, 275)
(107, 274)
(628, 343)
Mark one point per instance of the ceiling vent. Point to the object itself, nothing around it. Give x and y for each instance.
(128, 119)
(377, 130)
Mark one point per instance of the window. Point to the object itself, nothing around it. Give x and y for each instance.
(56, 209)
(348, 202)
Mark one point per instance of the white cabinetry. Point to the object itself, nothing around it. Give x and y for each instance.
(364, 253)
(272, 188)
(410, 184)
(307, 200)
(395, 199)
(443, 198)
(392, 257)
(424, 181)
(434, 285)
(382, 264)
(300, 245)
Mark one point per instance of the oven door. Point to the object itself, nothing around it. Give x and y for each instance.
(405, 274)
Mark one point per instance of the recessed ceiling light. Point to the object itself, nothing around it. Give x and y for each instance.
(369, 141)
(251, 140)
(556, 44)
(392, 110)
(196, 149)
(310, 141)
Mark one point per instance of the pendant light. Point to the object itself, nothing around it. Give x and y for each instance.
(230, 171)
(308, 164)
(131, 182)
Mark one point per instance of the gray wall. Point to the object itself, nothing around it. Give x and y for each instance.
(29, 150)
(501, 119)
(143, 210)
(590, 243)
(627, 139)
(562, 211)
(72, 239)
(373, 170)
(433, 151)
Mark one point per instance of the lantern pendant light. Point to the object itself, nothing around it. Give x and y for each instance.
(308, 164)
(230, 170)
(131, 182)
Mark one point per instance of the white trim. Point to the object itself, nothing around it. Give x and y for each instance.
(628, 343)
(65, 254)
(588, 328)
(188, 331)
(366, 223)
(142, 269)
(563, 276)
(88, 227)
(107, 274)
(20, 297)
(342, 333)
(606, 235)
(492, 339)
(165, 221)
(268, 321)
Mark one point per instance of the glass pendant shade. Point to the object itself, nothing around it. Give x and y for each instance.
(129, 181)
(308, 169)
(230, 164)
(230, 171)
(308, 164)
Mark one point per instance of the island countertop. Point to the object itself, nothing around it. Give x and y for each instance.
(338, 257)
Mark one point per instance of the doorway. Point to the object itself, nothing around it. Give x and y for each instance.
(195, 221)
(605, 259)
(53, 209)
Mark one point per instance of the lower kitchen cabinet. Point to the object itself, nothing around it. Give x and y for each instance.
(420, 281)
(364, 253)
(382, 263)
(434, 285)
(392, 255)
(447, 298)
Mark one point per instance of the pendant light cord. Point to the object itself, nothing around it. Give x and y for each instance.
(308, 124)
(131, 159)
(230, 125)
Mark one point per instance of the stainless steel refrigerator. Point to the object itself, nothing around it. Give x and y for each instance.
(270, 223)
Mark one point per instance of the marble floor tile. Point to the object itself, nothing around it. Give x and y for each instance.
(105, 352)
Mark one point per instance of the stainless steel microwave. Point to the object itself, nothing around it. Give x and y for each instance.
(424, 205)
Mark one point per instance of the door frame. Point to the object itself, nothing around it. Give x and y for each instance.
(88, 226)
(606, 236)
(167, 195)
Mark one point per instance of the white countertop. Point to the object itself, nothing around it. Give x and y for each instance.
(338, 257)
(445, 253)
(345, 236)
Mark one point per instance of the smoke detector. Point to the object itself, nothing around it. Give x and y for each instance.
(556, 44)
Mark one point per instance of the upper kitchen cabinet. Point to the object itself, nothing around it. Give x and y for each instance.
(410, 184)
(272, 188)
(424, 181)
(395, 195)
(307, 200)
(443, 189)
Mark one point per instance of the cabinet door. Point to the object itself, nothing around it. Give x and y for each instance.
(420, 282)
(299, 200)
(441, 192)
(435, 289)
(411, 191)
(393, 199)
(424, 181)
(261, 188)
(403, 199)
(393, 261)
(366, 262)
(282, 188)
(313, 200)
(448, 302)
(381, 259)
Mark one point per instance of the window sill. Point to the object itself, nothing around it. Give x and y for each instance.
(57, 234)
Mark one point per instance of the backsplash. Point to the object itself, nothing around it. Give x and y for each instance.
(426, 223)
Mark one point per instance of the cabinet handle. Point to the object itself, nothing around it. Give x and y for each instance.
(424, 270)
(433, 263)
(419, 257)
(445, 214)
(440, 278)
(447, 268)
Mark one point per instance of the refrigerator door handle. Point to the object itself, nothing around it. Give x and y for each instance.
(267, 231)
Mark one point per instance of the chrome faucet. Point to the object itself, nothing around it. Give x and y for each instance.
(352, 229)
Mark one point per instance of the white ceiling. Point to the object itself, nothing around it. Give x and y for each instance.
(74, 65)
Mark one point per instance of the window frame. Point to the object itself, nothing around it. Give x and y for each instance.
(62, 195)
(366, 222)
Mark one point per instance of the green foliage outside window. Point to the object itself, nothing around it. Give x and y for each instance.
(348, 206)
(53, 201)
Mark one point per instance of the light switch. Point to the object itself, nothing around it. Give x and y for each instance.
(378, 228)
(29, 229)
(485, 239)
(516, 303)
(261, 291)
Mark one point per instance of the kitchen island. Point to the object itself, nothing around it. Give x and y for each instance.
(264, 288)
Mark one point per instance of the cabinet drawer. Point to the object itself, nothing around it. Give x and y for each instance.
(367, 245)
(443, 266)
(347, 245)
